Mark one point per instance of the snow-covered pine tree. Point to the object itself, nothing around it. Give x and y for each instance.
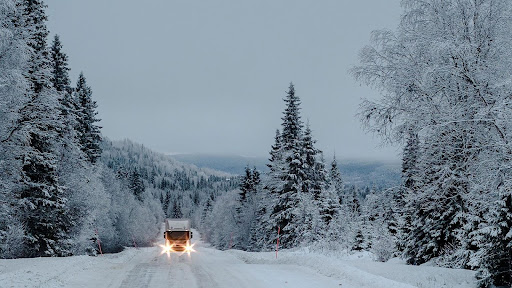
(274, 181)
(256, 179)
(74, 171)
(312, 184)
(60, 69)
(136, 185)
(439, 199)
(329, 209)
(404, 203)
(41, 201)
(176, 209)
(246, 184)
(245, 209)
(495, 241)
(61, 83)
(288, 198)
(336, 180)
(88, 132)
(261, 236)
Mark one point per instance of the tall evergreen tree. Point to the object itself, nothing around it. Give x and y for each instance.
(136, 185)
(329, 205)
(88, 132)
(41, 199)
(246, 184)
(59, 66)
(404, 200)
(439, 201)
(292, 175)
(315, 176)
(336, 180)
(275, 165)
(495, 241)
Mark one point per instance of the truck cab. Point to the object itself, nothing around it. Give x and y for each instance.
(177, 235)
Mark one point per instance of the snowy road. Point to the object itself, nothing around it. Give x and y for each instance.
(208, 267)
(212, 268)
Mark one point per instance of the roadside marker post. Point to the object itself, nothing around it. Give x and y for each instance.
(277, 244)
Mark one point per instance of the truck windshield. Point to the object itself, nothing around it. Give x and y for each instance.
(178, 235)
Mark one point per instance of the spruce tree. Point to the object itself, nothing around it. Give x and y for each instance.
(246, 184)
(336, 180)
(136, 185)
(41, 199)
(495, 241)
(329, 205)
(288, 198)
(315, 177)
(404, 203)
(59, 65)
(276, 165)
(439, 201)
(88, 132)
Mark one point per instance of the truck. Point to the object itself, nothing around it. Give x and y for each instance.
(177, 235)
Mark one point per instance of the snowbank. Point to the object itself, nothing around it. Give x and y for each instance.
(358, 270)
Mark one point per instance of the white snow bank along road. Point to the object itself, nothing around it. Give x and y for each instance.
(208, 267)
(363, 272)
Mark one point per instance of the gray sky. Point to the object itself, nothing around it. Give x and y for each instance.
(210, 76)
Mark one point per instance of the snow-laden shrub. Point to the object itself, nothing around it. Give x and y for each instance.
(383, 248)
(223, 218)
(11, 240)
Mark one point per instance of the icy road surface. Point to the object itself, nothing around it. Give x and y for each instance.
(208, 267)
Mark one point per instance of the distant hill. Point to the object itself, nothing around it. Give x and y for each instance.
(228, 163)
(359, 173)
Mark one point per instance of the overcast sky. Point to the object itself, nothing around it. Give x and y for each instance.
(210, 76)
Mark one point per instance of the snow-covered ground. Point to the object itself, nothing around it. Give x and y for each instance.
(208, 267)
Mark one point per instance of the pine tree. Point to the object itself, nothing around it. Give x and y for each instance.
(60, 69)
(176, 210)
(136, 185)
(255, 179)
(88, 132)
(41, 199)
(275, 165)
(410, 160)
(313, 164)
(291, 136)
(61, 82)
(329, 205)
(440, 199)
(336, 180)
(309, 163)
(291, 174)
(495, 242)
(246, 184)
(404, 205)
